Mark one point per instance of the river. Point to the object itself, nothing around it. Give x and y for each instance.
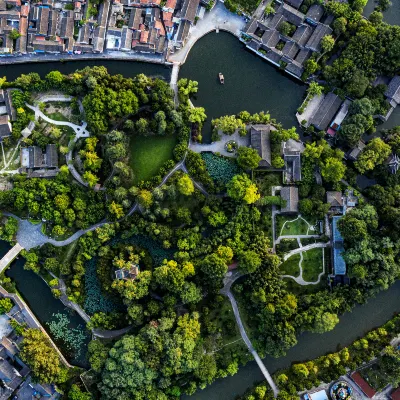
(391, 16)
(42, 303)
(251, 83)
(254, 85)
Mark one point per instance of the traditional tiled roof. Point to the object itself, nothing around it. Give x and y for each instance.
(84, 34)
(51, 156)
(260, 141)
(67, 25)
(44, 14)
(5, 126)
(183, 31)
(49, 46)
(189, 10)
(292, 15)
(334, 198)
(303, 56)
(315, 12)
(290, 49)
(160, 45)
(295, 68)
(326, 111)
(170, 4)
(302, 34)
(98, 39)
(126, 39)
(291, 195)
(135, 19)
(393, 90)
(23, 30)
(270, 38)
(294, 3)
(314, 43)
(355, 152)
(144, 36)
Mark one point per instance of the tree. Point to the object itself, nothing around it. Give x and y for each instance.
(325, 322)
(286, 29)
(339, 25)
(75, 393)
(333, 170)
(160, 119)
(185, 185)
(55, 78)
(327, 43)
(145, 198)
(14, 34)
(197, 115)
(374, 153)
(314, 89)
(116, 210)
(5, 305)
(249, 261)
(214, 266)
(40, 356)
(90, 178)
(248, 158)
(241, 188)
(383, 5)
(310, 66)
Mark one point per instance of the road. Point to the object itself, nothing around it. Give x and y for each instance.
(230, 278)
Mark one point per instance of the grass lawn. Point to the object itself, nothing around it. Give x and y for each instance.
(265, 180)
(374, 376)
(224, 318)
(297, 289)
(297, 227)
(57, 116)
(312, 264)
(148, 154)
(291, 266)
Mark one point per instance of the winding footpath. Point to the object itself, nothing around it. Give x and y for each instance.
(80, 132)
(229, 279)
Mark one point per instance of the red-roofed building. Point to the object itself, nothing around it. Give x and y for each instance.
(25, 10)
(144, 37)
(160, 27)
(363, 384)
(170, 4)
(395, 395)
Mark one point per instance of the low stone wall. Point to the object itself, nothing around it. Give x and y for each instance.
(32, 320)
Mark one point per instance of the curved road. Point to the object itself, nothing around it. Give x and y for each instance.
(226, 291)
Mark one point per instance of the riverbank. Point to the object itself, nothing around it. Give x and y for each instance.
(352, 325)
(112, 56)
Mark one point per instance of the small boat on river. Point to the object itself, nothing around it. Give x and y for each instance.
(221, 78)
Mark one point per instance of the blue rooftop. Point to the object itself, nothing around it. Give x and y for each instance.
(339, 265)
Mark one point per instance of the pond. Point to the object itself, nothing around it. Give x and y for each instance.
(251, 83)
(391, 16)
(46, 308)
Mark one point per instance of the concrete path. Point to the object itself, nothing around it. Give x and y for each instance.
(174, 82)
(46, 98)
(299, 279)
(295, 237)
(229, 279)
(218, 18)
(305, 248)
(80, 131)
(219, 147)
(12, 253)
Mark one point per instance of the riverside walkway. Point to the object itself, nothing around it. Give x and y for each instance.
(219, 18)
(229, 279)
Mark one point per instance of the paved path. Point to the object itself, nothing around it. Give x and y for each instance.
(219, 146)
(229, 279)
(80, 131)
(174, 82)
(218, 18)
(305, 248)
(295, 237)
(103, 334)
(12, 253)
(299, 279)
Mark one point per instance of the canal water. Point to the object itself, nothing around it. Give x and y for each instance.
(391, 16)
(310, 345)
(251, 83)
(42, 303)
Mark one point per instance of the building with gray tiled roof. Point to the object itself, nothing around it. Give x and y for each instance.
(392, 96)
(264, 35)
(326, 111)
(260, 141)
(290, 194)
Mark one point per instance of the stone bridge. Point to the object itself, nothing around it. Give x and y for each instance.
(5, 261)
